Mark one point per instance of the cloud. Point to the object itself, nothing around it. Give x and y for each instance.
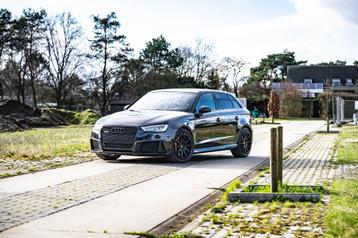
(318, 31)
(347, 9)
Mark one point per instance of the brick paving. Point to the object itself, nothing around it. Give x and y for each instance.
(310, 163)
(21, 208)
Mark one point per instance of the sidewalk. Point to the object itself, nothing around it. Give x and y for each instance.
(309, 163)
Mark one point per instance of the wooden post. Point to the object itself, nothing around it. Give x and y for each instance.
(279, 154)
(273, 161)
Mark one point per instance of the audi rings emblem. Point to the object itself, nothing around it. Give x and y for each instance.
(117, 130)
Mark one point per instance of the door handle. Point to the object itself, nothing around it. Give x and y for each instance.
(218, 119)
(236, 118)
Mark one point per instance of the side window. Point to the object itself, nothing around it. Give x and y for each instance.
(206, 100)
(235, 103)
(224, 102)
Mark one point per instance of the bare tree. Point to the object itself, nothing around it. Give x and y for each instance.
(197, 61)
(63, 35)
(202, 59)
(230, 69)
(186, 69)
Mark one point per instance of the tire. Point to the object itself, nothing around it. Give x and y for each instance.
(183, 147)
(244, 144)
(108, 157)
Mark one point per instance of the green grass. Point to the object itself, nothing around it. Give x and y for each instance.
(221, 205)
(342, 218)
(231, 187)
(45, 143)
(348, 149)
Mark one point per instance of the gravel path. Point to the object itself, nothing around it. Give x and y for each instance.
(11, 167)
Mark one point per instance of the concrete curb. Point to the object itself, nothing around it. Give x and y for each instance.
(249, 197)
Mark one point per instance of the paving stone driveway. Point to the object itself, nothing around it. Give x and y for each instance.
(310, 163)
(21, 208)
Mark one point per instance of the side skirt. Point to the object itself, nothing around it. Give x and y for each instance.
(215, 148)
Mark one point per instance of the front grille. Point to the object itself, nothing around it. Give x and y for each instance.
(117, 146)
(118, 137)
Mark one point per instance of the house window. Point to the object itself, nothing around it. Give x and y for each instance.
(349, 82)
(336, 82)
(307, 80)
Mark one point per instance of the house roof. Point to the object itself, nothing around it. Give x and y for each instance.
(318, 73)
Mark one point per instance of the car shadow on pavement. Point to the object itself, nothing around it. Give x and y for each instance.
(197, 158)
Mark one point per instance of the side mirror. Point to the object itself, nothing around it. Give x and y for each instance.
(204, 109)
(126, 107)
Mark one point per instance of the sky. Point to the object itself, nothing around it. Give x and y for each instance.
(317, 30)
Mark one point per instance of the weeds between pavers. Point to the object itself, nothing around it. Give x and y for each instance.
(300, 219)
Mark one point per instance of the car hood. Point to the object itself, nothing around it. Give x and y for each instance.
(142, 118)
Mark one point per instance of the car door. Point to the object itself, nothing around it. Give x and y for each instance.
(228, 119)
(206, 125)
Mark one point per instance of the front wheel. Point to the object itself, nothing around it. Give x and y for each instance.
(108, 157)
(244, 144)
(183, 146)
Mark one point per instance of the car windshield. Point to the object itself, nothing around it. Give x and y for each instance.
(166, 101)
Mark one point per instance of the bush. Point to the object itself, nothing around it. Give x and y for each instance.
(291, 101)
(86, 117)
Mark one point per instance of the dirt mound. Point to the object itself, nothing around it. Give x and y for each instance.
(8, 124)
(8, 107)
(15, 116)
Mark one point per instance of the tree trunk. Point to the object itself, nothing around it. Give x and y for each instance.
(58, 98)
(327, 110)
(1, 89)
(34, 94)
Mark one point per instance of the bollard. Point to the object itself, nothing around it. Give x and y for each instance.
(279, 154)
(273, 161)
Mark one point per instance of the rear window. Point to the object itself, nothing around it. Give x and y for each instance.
(224, 102)
(235, 103)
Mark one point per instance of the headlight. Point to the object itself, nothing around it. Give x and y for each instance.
(155, 128)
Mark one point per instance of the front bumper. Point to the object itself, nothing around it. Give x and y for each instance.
(144, 143)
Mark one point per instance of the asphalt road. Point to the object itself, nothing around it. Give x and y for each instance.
(133, 194)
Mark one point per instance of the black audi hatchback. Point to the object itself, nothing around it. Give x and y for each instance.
(175, 123)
